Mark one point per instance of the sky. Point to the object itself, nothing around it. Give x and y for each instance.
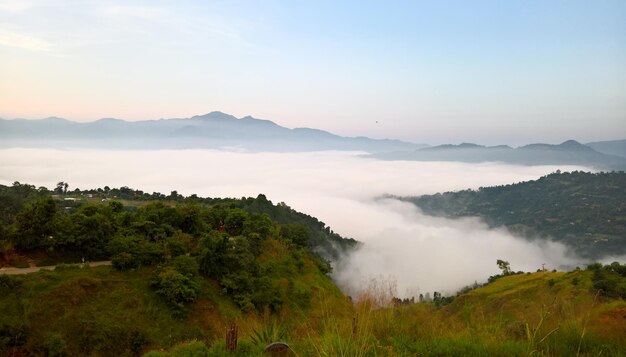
(492, 72)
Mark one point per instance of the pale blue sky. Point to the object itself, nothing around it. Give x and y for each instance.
(429, 71)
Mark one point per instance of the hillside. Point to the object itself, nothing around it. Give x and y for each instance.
(103, 312)
(583, 210)
(187, 269)
(213, 130)
(567, 153)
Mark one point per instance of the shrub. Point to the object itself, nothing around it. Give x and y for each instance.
(55, 345)
(124, 261)
(176, 288)
(185, 265)
(7, 283)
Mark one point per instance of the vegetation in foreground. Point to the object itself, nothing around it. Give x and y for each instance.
(103, 312)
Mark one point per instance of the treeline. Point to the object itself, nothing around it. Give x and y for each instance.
(587, 211)
(79, 221)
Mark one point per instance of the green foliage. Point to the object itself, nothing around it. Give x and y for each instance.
(55, 345)
(81, 224)
(504, 266)
(609, 280)
(271, 331)
(36, 225)
(124, 261)
(177, 289)
(8, 282)
(180, 243)
(235, 221)
(12, 334)
(257, 226)
(188, 266)
(296, 234)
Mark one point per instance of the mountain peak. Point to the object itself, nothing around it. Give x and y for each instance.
(56, 119)
(215, 115)
(452, 146)
(573, 145)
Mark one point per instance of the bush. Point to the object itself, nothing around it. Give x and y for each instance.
(176, 288)
(610, 280)
(124, 261)
(7, 283)
(185, 265)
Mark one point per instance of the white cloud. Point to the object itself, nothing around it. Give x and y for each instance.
(15, 6)
(31, 43)
(418, 252)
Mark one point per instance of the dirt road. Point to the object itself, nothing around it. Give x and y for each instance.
(17, 271)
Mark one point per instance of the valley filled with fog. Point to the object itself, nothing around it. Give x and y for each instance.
(415, 252)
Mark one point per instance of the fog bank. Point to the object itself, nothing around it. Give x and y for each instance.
(418, 252)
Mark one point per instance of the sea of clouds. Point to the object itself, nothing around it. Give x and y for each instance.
(418, 253)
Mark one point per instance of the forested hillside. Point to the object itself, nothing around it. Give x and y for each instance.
(587, 211)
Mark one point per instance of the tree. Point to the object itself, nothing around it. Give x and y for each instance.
(36, 224)
(234, 221)
(257, 225)
(504, 266)
(176, 288)
(61, 187)
(298, 234)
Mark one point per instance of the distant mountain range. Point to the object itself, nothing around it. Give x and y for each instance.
(212, 130)
(217, 130)
(570, 152)
(612, 147)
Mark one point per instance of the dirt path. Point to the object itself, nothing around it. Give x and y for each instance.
(17, 271)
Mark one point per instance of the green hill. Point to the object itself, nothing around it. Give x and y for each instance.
(586, 211)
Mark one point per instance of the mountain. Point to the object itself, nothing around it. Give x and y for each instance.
(612, 147)
(585, 211)
(569, 152)
(212, 130)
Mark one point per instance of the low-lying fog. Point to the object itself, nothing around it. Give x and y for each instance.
(418, 252)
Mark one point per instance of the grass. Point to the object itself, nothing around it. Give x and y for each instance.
(98, 311)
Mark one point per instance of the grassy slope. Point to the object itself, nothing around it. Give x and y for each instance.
(99, 311)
